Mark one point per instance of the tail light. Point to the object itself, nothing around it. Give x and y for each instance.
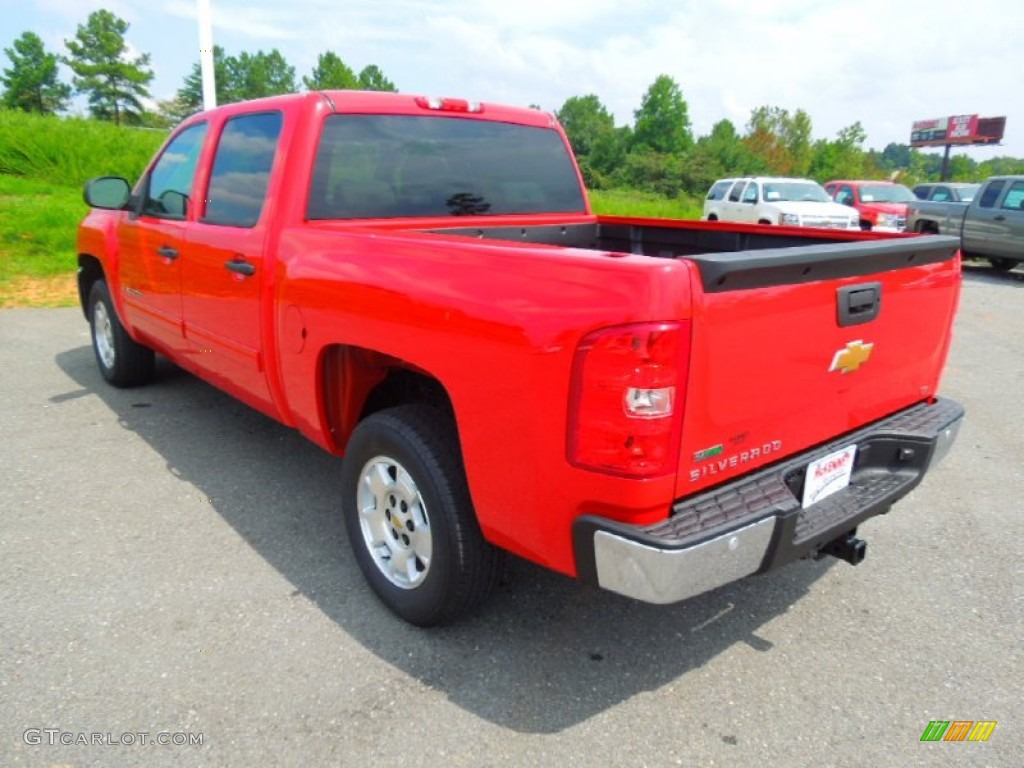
(626, 401)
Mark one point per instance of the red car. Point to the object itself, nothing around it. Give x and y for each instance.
(882, 204)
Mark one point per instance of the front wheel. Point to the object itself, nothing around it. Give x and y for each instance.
(409, 517)
(1001, 264)
(122, 360)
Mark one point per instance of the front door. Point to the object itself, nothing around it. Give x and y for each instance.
(152, 242)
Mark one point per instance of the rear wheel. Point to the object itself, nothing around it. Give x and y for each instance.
(712, 217)
(409, 517)
(122, 360)
(1001, 264)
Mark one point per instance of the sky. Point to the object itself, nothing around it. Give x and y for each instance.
(885, 64)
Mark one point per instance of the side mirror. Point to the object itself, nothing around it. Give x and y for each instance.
(174, 203)
(108, 192)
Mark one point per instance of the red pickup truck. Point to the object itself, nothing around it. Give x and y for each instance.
(420, 286)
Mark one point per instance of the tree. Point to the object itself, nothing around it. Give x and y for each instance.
(253, 76)
(31, 83)
(663, 120)
(331, 73)
(115, 83)
(843, 158)
(591, 132)
(781, 141)
(720, 153)
(372, 79)
(189, 98)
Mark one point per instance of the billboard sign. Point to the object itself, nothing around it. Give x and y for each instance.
(958, 129)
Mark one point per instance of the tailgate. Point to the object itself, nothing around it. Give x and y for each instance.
(793, 347)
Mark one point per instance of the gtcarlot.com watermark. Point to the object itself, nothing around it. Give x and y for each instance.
(57, 737)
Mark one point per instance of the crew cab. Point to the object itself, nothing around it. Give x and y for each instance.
(419, 286)
(776, 200)
(882, 204)
(990, 226)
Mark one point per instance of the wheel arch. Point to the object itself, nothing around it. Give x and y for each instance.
(90, 269)
(356, 382)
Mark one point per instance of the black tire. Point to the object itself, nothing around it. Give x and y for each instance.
(1001, 264)
(712, 217)
(122, 360)
(421, 497)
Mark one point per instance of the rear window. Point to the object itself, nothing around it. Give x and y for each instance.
(390, 166)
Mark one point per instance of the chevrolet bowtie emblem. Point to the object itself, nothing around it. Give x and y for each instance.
(851, 357)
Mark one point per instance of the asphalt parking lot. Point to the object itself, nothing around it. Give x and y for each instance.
(173, 563)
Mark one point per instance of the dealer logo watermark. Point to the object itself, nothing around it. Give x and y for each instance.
(53, 737)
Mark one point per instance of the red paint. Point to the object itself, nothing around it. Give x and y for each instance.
(517, 334)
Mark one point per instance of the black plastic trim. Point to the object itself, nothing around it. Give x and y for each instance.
(737, 259)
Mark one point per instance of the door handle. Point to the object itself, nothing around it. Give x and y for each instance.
(167, 252)
(999, 218)
(858, 304)
(241, 267)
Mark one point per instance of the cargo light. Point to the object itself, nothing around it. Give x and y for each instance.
(448, 105)
(626, 401)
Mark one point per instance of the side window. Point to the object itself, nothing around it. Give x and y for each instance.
(941, 194)
(241, 169)
(845, 195)
(170, 181)
(991, 194)
(737, 188)
(750, 194)
(1014, 200)
(718, 190)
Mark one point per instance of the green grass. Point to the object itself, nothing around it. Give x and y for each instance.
(630, 202)
(38, 222)
(69, 152)
(44, 161)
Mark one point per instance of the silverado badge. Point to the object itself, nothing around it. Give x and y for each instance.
(851, 357)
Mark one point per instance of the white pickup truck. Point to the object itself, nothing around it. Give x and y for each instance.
(777, 200)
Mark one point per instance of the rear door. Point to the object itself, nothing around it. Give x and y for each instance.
(1007, 236)
(984, 218)
(794, 346)
(225, 271)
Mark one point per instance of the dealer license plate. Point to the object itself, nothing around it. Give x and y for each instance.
(828, 475)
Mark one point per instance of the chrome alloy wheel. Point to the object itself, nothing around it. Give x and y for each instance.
(394, 522)
(103, 333)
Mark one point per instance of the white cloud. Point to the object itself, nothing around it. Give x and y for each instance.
(882, 63)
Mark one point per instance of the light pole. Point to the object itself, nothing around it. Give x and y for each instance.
(206, 54)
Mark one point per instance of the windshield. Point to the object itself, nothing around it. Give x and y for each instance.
(390, 166)
(885, 193)
(795, 191)
(967, 192)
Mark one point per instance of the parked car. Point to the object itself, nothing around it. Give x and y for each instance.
(946, 192)
(777, 200)
(420, 286)
(882, 204)
(991, 226)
